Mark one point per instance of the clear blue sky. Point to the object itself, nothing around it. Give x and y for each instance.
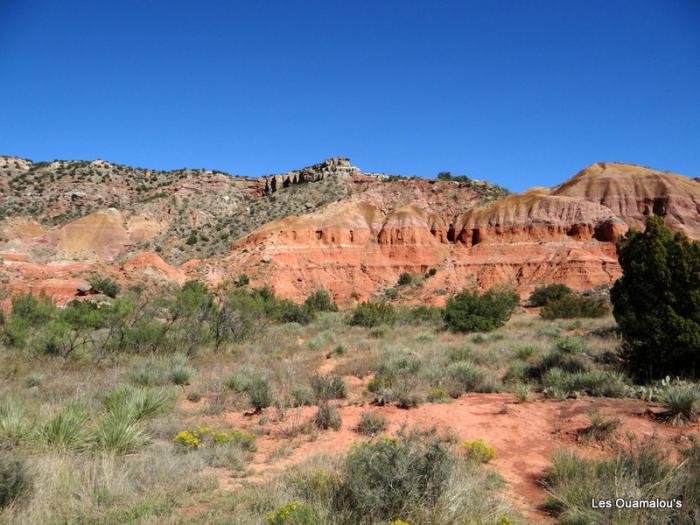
(522, 93)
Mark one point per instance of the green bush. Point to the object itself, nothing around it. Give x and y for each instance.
(67, 429)
(573, 306)
(104, 285)
(370, 315)
(14, 479)
(388, 478)
(544, 294)
(405, 278)
(656, 302)
(470, 312)
(320, 301)
(180, 375)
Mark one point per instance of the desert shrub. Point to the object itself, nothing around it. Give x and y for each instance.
(471, 312)
(208, 437)
(522, 393)
(104, 285)
(328, 387)
(600, 428)
(641, 469)
(682, 403)
(431, 272)
(544, 294)
(148, 374)
(260, 393)
(370, 315)
(371, 424)
(438, 394)
(327, 417)
(320, 301)
(34, 379)
(14, 479)
(405, 278)
(29, 314)
(478, 450)
(391, 477)
(569, 345)
(293, 513)
(467, 377)
(243, 280)
(180, 375)
(573, 306)
(301, 397)
(421, 314)
(656, 302)
(561, 383)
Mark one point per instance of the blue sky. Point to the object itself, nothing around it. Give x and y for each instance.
(519, 93)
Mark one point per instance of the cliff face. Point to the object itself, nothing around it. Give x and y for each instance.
(633, 192)
(331, 226)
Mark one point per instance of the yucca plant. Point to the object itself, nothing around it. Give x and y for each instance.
(14, 426)
(682, 404)
(66, 429)
(119, 431)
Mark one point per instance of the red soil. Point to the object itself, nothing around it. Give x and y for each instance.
(525, 435)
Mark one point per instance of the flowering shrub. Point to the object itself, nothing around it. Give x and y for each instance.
(195, 439)
(293, 513)
(479, 450)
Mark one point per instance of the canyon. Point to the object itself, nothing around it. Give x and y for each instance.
(327, 226)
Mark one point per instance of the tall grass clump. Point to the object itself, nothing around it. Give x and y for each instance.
(14, 424)
(67, 429)
(637, 471)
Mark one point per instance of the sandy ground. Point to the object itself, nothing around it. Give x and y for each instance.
(525, 435)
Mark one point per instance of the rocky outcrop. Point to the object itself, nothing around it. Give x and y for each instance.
(633, 192)
(350, 233)
(332, 167)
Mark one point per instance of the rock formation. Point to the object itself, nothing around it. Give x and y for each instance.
(349, 232)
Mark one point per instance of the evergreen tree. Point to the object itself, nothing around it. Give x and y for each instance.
(657, 302)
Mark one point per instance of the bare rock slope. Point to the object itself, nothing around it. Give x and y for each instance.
(326, 226)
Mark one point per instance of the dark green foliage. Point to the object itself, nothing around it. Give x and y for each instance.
(431, 272)
(469, 311)
(14, 479)
(573, 306)
(405, 278)
(657, 302)
(544, 294)
(447, 176)
(391, 478)
(319, 301)
(243, 280)
(372, 314)
(104, 285)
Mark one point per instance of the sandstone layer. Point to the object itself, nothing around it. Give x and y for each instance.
(331, 226)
